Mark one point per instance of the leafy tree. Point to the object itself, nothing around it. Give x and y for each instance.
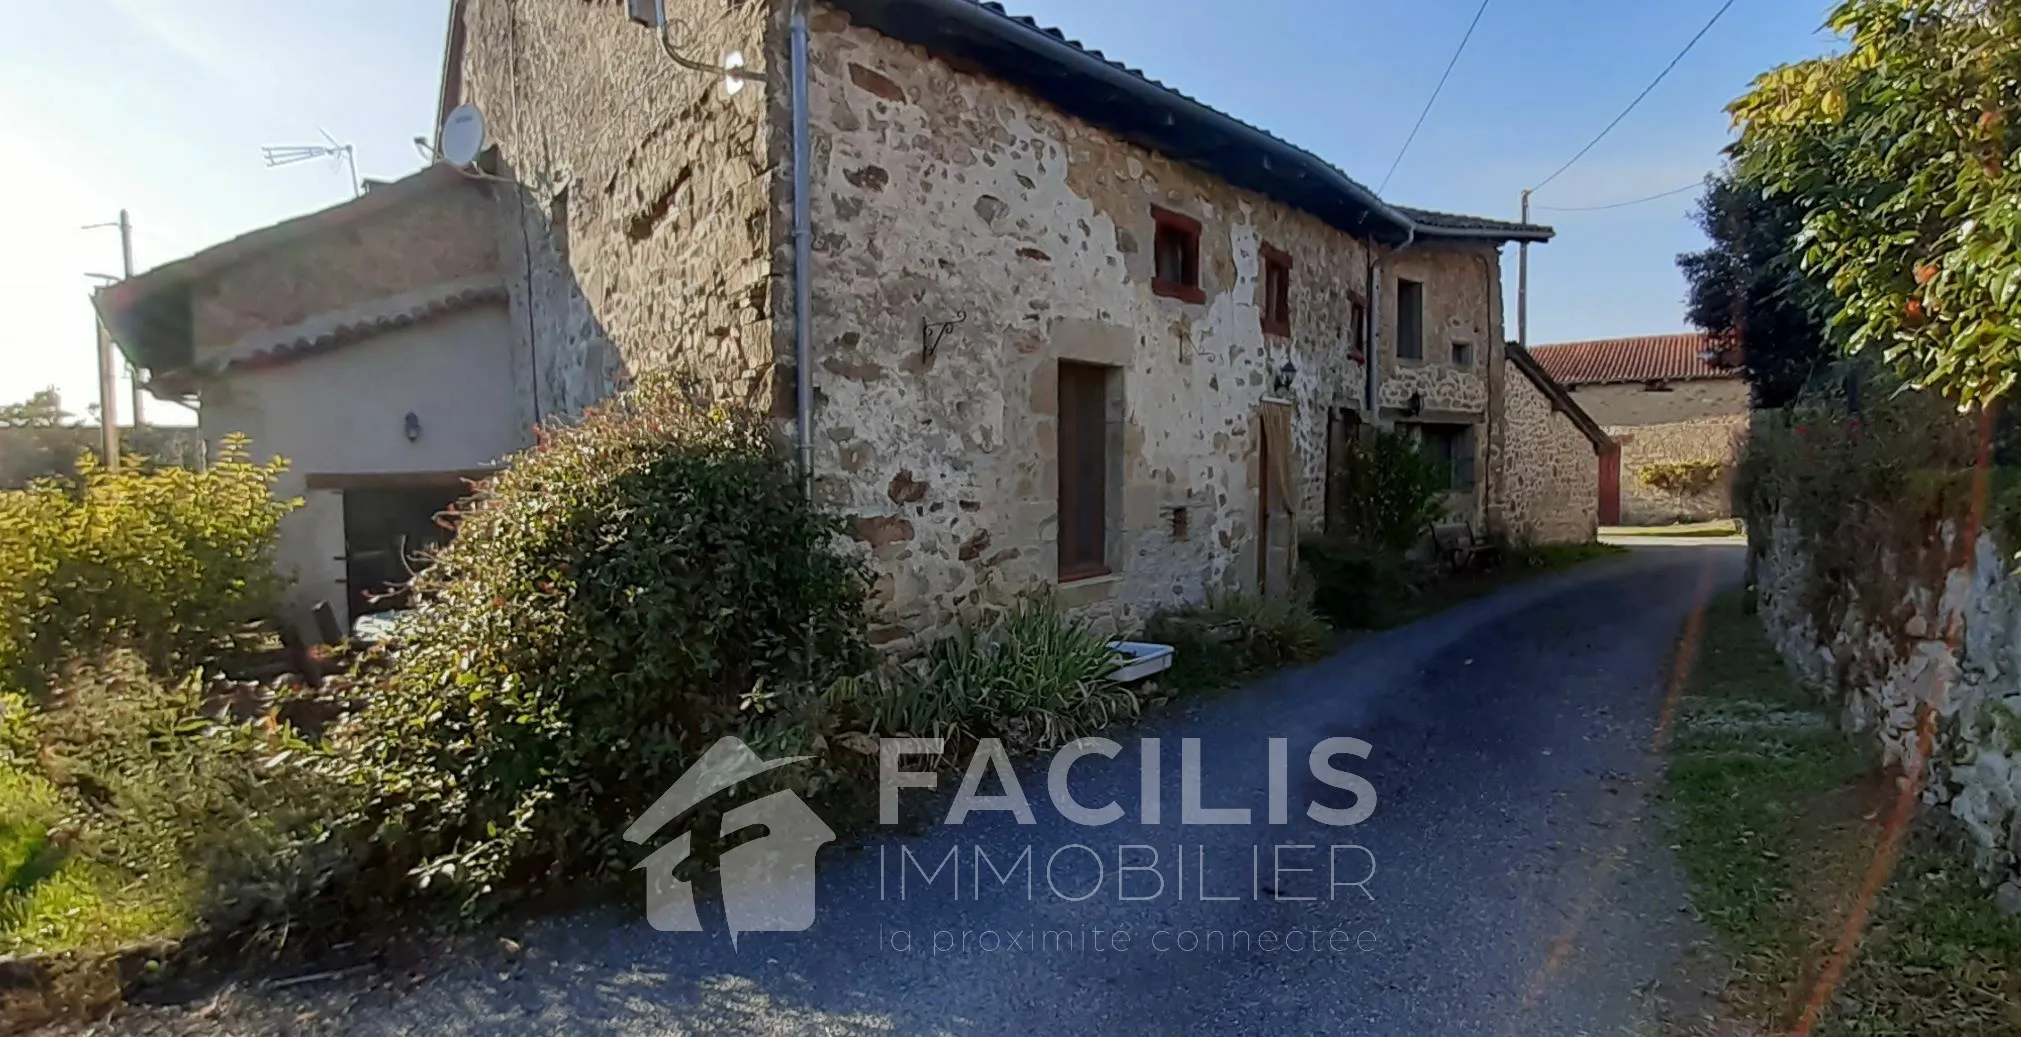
(1750, 291)
(39, 439)
(1899, 154)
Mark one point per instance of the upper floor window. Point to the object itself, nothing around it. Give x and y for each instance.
(1276, 292)
(1176, 253)
(1357, 329)
(1410, 319)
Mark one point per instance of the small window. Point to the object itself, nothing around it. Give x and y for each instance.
(1276, 292)
(1454, 445)
(1176, 251)
(1084, 470)
(1410, 319)
(1357, 330)
(1463, 354)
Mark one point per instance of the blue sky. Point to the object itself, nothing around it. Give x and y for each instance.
(162, 109)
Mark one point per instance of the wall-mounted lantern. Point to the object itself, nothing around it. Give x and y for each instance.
(1286, 375)
(413, 427)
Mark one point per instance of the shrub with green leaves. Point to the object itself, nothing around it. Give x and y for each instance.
(622, 596)
(1358, 585)
(169, 562)
(130, 815)
(1237, 635)
(1032, 676)
(1388, 492)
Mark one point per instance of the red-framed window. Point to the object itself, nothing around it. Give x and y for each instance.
(1175, 252)
(1276, 291)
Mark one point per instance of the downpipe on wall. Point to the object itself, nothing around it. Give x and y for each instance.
(803, 253)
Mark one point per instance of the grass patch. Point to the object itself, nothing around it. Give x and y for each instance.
(1777, 815)
(53, 900)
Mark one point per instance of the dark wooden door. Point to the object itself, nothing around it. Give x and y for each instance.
(1610, 486)
(1084, 470)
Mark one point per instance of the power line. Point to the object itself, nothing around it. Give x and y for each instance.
(1693, 186)
(1716, 16)
(1433, 99)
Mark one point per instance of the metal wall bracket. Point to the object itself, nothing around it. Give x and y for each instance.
(932, 332)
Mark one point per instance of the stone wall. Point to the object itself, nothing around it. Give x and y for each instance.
(644, 205)
(940, 195)
(1462, 304)
(1688, 400)
(1547, 489)
(1935, 627)
(1707, 439)
(442, 235)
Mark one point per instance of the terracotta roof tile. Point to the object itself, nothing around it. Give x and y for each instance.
(1649, 358)
(323, 335)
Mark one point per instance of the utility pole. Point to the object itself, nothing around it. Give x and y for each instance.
(108, 400)
(126, 271)
(1523, 282)
(108, 378)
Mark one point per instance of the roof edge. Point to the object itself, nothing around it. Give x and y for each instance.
(1561, 400)
(1030, 37)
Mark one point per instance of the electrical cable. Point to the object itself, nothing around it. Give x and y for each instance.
(1716, 16)
(1693, 186)
(1433, 99)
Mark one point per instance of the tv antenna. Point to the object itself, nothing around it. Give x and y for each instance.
(290, 154)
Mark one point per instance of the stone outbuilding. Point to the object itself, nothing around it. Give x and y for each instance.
(1676, 405)
(369, 345)
(1036, 319)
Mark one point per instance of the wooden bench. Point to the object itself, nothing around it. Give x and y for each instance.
(1460, 548)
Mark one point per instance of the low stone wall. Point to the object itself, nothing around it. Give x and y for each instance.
(1938, 627)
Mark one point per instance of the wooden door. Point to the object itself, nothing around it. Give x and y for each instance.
(1610, 485)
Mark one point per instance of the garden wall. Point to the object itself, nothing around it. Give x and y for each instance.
(1938, 624)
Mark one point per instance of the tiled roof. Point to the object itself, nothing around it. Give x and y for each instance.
(1525, 361)
(128, 306)
(1458, 221)
(980, 36)
(323, 335)
(1649, 358)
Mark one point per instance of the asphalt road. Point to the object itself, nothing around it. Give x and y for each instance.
(1520, 881)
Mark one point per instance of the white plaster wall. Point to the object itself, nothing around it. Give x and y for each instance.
(344, 413)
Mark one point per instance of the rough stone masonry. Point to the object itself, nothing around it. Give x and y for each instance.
(943, 196)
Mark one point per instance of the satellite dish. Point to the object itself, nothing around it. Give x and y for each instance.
(462, 136)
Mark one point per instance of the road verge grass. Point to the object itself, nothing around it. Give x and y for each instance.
(1777, 815)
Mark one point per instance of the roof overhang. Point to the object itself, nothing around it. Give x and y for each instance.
(148, 315)
(982, 38)
(1561, 401)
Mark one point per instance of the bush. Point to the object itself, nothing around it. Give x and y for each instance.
(1356, 585)
(1238, 635)
(1032, 676)
(129, 815)
(168, 562)
(1388, 492)
(625, 594)
(1682, 478)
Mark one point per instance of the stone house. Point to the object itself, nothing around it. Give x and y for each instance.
(1666, 400)
(369, 345)
(1034, 319)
